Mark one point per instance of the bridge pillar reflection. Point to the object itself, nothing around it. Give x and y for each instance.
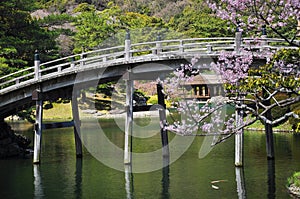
(37, 96)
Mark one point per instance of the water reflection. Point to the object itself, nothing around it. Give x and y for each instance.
(38, 185)
(129, 182)
(271, 179)
(165, 178)
(78, 178)
(240, 182)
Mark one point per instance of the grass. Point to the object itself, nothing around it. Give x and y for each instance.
(59, 111)
(294, 179)
(284, 127)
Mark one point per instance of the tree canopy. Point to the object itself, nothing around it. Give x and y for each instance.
(20, 36)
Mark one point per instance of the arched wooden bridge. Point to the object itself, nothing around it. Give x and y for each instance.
(56, 79)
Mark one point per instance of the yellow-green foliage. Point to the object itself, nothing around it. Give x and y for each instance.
(59, 111)
(153, 100)
(294, 179)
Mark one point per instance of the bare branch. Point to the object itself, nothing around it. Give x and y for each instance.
(277, 121)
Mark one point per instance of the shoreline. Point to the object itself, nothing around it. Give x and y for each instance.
(274, 130)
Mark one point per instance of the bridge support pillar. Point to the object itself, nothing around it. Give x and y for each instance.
(128, 122)
(37, 96)
(77, 132)
(268, 129)
(163, 120)
(239, 139)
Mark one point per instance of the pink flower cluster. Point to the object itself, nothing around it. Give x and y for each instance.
(255, 13)
(233, 67)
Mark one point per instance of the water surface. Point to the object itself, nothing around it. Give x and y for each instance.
(61, 175)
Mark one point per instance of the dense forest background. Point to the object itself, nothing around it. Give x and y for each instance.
(59, 28)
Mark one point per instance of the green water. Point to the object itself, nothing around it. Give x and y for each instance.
(61, 175)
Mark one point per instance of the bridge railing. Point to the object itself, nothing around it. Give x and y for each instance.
(132, 53)
(265, 43)
(177, 47)
(17, 77)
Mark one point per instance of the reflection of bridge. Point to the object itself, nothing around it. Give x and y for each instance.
(56, 79)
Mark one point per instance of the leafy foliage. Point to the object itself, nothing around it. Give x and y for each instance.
(94, 27)
(195, 21)
(20, 36)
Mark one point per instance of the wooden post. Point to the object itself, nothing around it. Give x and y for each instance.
(238, 42)
(239, 138)
(163, 120)
(77, 133)
(268, 129)
(127, 46)
(158, 45)
(37, 96)
(36, 65)
(209, 48)
(264, 36)
(181, 46)
(72, 64)
(128, 121)
(269, 134)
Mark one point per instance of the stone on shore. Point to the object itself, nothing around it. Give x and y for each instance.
(11, 144)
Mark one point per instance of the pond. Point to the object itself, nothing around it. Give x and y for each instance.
(61, 175)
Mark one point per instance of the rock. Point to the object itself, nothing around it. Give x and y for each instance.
(6, 141)
(14, 149)
(293, 189)
(12, 144)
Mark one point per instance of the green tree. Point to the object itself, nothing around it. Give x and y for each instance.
(94, 27)
(20, 36)
(198, 21)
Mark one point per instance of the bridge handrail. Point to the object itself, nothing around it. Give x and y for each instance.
(14, 73)
(125, 53)
(81, 54)
(16, 79)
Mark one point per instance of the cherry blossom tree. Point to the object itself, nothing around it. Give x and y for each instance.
(279, 16)
(251, 91)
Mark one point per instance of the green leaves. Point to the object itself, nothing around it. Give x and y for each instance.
(94, 27)
(20, 36)
(199, 22)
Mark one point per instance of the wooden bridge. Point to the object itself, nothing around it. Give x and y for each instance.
(58, 78)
